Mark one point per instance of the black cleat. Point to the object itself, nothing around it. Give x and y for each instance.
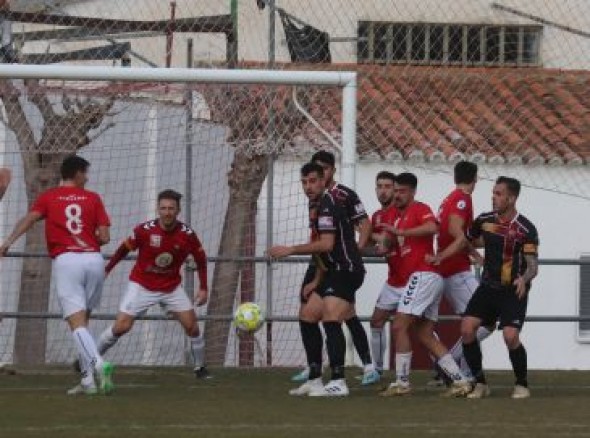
(202, 373)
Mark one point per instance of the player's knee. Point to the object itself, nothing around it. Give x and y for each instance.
(511, 337)
(122, 326)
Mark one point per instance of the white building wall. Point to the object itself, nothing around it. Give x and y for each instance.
(561, 222)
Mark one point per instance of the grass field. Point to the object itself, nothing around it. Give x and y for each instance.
(254, 403)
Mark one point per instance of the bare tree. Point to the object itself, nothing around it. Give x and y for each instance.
(62, 133)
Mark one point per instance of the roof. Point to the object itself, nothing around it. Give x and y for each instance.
(534, 116)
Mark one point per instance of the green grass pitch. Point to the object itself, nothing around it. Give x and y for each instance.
(254, 403)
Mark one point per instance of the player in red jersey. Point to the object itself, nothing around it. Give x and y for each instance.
(76, 225)
(414, 229)
(392, 290)
(164, 245)
(455, 216)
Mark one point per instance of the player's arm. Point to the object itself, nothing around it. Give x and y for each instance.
(103, 235)
(125, 248)
(21, 227)
(531, 256)
(5, 177)
(324, 244)
(365, 231)
(200, 259)
(428, 228)
(459, 243)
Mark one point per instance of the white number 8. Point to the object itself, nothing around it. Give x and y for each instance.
(74, 215)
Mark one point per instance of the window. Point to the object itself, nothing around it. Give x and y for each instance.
(584, 304)
(453, 44)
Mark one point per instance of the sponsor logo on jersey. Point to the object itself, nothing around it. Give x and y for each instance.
(155, 240)
(359, 208)
(461, 205)
(326, 221)
(164, 260)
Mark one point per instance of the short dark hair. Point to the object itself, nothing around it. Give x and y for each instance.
(465, 172)
(170, 194)
(407, 179)
(310, 167)
(71, 165)
(512, 184)
(325, 157)
(385, 174)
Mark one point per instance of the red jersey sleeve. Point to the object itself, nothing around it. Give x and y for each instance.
(462, 207)
(198, 253)
(424, 214)
(102, 218)
(41, 205)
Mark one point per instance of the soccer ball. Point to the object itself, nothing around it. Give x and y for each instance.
(248, 317)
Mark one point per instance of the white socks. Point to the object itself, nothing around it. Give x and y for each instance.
(198, 349)
(106, 340)
(378, 346)
(403, 364)
(450, 367)
(90, 359)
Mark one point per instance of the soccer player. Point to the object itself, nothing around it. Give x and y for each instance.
(76, 225)
(5, 177)
(357, 214)
(163, 245)
(510, 241)
(330, 295)
(414, 230)
(455, 216)
(392, 290)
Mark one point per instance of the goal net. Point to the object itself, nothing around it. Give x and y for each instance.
(218, 138)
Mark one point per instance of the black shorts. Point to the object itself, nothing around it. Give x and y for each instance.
(307, 278)
(341, 284)
(498, 304)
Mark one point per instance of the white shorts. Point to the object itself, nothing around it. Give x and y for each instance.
(458, 289)
(78, 279)
(138, 300)
(422, 295)
(389, 297)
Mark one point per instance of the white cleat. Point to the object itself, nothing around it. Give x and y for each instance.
(334, 388)
(521, 392)
(481, 390)
(396, 389)
(307, 387)
(80, 389)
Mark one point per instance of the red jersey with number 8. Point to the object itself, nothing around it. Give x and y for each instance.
(72, 216)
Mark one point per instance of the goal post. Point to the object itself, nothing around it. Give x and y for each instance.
(145, 152)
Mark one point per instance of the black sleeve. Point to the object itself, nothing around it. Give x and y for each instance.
(355, 208)
(531, 242)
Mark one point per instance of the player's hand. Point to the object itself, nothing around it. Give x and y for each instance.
(277, 252)
(201, 297)
(432, 259)
(520, 287)
(4, 249)
(308, 289)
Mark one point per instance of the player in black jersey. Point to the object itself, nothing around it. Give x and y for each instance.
(330, 295)
(510, 241)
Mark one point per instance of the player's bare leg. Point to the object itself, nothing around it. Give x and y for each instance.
(334, 313)
(188, 320)
(403, 356)
(425, 332)
(91, 360)
(310, 313)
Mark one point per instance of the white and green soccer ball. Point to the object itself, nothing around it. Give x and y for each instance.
(248, 317)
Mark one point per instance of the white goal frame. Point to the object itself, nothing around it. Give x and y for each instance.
(347, 80)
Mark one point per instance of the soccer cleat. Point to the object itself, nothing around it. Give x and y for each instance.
(370, 378)
(5, 368)
(521, 392)
(459, 388)
(396, 389)
(481, 390)
(76, 366)
(334, 388)
(105, 377)
(436, 381)
(307, 387)
(301, 376)
(202, 373)
(80, 389)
